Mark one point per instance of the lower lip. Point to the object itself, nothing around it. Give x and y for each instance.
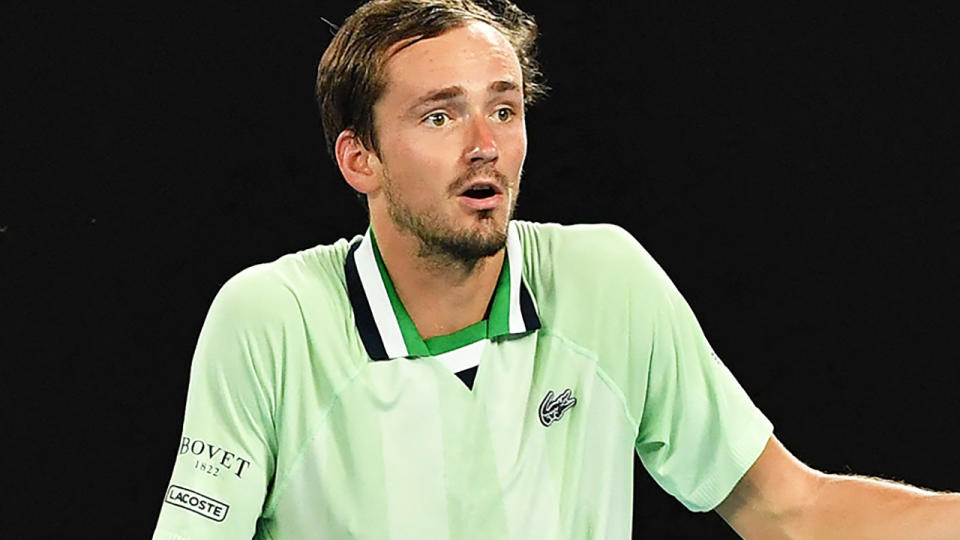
(481, 204)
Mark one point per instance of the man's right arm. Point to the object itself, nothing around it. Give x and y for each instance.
(226, 453)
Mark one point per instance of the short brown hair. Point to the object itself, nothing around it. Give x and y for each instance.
(350, 77)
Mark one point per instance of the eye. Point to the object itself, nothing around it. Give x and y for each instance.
(437, 119)
(503, 114)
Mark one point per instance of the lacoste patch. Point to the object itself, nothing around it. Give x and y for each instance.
(551, 409)
(197, 503)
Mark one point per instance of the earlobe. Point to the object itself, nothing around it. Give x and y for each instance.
(354, 160)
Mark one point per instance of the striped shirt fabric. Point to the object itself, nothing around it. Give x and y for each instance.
(316, 410)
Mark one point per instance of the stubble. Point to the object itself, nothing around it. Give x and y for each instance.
(441, 244)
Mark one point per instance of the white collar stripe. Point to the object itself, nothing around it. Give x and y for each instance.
(378, 299)
(374, 314)
(515, 258)
(463, 358)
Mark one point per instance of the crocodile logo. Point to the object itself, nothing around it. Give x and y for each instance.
(551, 409)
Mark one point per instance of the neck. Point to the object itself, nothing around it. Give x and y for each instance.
(441, 295)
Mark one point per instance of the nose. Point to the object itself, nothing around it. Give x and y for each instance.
(481, 147)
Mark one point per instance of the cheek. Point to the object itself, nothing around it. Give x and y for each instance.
(419, 168)
(516, 151)
(408, 156)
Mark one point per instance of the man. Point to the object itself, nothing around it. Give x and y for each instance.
(452, 373)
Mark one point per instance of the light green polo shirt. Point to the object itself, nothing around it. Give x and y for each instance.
(316, 410)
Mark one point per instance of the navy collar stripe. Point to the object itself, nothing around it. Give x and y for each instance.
(362, 314)
(529, 311)
(377, 322)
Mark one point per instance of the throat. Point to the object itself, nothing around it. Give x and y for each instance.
(443, 304)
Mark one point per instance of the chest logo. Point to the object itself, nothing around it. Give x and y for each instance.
(551, 409)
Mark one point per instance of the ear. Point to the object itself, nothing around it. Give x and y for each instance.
(357, 163)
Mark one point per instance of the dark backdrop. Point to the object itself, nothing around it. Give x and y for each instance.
(794, 169)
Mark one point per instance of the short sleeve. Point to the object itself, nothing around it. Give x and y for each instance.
(225, 455)
(699, 431)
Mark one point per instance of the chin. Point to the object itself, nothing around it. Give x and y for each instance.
(488, 226)
(481, 240)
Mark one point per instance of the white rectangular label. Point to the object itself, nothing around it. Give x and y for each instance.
(196, 502)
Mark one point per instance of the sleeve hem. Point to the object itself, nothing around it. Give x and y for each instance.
(716, 488)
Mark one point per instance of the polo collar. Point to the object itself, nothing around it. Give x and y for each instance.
(388, 332)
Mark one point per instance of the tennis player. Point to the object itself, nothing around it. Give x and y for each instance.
(451, 373)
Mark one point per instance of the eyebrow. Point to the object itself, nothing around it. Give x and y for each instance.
(504, 86)
(451, 92)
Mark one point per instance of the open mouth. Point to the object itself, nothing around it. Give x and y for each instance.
(482, 191)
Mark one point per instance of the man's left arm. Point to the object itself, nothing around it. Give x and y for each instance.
(780, 497)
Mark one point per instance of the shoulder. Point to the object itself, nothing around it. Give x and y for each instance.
(599, 242)
(274, 291)
(591, 253)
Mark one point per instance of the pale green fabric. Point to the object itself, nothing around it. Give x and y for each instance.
(340, 446)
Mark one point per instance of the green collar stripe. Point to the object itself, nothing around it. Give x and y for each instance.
(497, 323)
(385, 327)
(471, 334)
(411, 337)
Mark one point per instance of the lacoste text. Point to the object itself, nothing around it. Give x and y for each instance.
(197, 503)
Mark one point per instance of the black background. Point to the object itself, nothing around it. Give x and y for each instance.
(793, 168)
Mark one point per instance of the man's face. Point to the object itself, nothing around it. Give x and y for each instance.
(452, 140)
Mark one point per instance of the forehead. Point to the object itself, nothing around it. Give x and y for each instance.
(472, 55)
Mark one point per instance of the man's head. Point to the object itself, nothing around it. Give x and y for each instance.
(351, 78)
(422, 100)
